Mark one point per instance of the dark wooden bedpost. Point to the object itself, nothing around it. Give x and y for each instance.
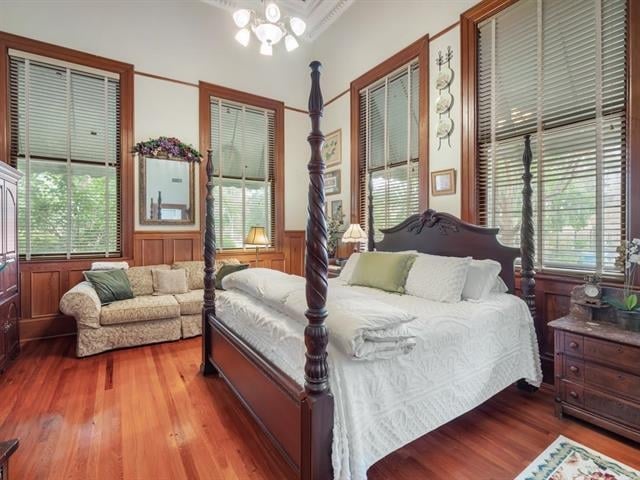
(371, 243)
(317, 406)
(209, 306)
(527, 246)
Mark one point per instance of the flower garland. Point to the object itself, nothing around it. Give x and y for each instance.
(167, 146)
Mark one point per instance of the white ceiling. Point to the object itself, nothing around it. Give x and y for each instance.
(318, 14)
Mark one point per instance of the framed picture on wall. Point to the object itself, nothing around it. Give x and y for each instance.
(443, 182)
(332, 149)
(332, 182)
(336, 209)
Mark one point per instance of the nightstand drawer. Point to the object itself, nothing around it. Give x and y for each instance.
(616, 354)
(573, 344)
(572, 393)
(573, 369)
(615, 381)
(611, 407)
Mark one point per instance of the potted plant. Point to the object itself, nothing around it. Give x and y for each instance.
(334, 232)
(628, 308)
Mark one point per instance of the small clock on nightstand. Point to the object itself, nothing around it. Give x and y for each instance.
(593, 290)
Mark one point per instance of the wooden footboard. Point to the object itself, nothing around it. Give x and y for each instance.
(294, 423)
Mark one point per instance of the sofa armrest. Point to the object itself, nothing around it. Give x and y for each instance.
(82, 303)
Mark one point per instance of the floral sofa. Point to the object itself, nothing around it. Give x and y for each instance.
(146, 318)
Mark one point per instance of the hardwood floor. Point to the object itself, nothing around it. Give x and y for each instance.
(146, 413)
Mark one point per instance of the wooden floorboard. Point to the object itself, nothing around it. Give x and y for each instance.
(146, 413)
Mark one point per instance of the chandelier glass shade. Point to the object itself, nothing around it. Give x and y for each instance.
(269, 29)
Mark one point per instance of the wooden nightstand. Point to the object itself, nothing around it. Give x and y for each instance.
(597, 374)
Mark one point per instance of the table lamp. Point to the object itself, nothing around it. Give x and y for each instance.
(257, 237)
(354, 234)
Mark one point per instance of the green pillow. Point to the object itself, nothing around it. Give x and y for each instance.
(110, 285)
(226, 269)
(385, 271)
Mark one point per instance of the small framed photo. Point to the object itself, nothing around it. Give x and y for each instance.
(443, 182)
(336, 209)
(332, 149)
(332, 182)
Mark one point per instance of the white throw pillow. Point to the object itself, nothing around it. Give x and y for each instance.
(347, 270)
(481, 278)
(499, 286)
(438, 278)
(167, 282)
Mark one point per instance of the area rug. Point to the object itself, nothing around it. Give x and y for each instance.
(565, 459)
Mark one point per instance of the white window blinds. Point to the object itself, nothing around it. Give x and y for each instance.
(243, 149)
(65, 139)
(389, 154)
(556, 69)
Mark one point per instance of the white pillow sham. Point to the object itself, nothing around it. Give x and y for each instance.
(499, 286)
(347, 270)
(481, 278)
(438, 278)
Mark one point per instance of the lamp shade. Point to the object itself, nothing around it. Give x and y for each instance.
(354, 234)
(257, 236)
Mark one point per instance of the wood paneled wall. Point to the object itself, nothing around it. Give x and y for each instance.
(43, 282)
(553, 298)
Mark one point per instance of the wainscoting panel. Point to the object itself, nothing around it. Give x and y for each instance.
(154, 248)
(553, 298)
(294, 250)
(44, 282)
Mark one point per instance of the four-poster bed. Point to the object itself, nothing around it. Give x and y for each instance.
(299, 419)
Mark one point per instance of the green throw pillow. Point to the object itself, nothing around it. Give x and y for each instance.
(226, 269)
(110, 285)
(385, 271)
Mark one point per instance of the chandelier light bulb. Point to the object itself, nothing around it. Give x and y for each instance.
(297, 25)
(243, 36)
(266, 49)
(241, 17)
(272, 12)
(290, 43)
(269, 33)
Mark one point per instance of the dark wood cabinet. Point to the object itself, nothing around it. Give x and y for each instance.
(597, 374)
(9, 266)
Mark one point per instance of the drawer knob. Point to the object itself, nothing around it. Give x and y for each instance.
(573, 345)
(573, 394)
(574, 369)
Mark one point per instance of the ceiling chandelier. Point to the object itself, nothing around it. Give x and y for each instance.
(269, 30)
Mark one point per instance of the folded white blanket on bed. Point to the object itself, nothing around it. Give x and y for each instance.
(358, 324)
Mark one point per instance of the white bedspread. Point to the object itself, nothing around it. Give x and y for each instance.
(466, 352)
(361, 326)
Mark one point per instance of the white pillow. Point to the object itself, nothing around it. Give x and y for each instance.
(347, 270)
(481, 279)
(349, 267)
(499, 286)
(437, 278)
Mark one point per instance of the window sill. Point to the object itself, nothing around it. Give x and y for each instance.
(573, 276)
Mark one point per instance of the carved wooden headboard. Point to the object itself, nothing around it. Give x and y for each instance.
(446, 235)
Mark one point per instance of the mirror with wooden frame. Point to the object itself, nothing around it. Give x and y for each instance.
(166, 191)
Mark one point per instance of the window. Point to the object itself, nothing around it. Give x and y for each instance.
(555, 70)
(389, 119)
(243, 144)
(65, 139)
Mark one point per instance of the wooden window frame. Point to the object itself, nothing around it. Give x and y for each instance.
(469, 21)
(208, 90)
(420, 50)
(125, 71)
